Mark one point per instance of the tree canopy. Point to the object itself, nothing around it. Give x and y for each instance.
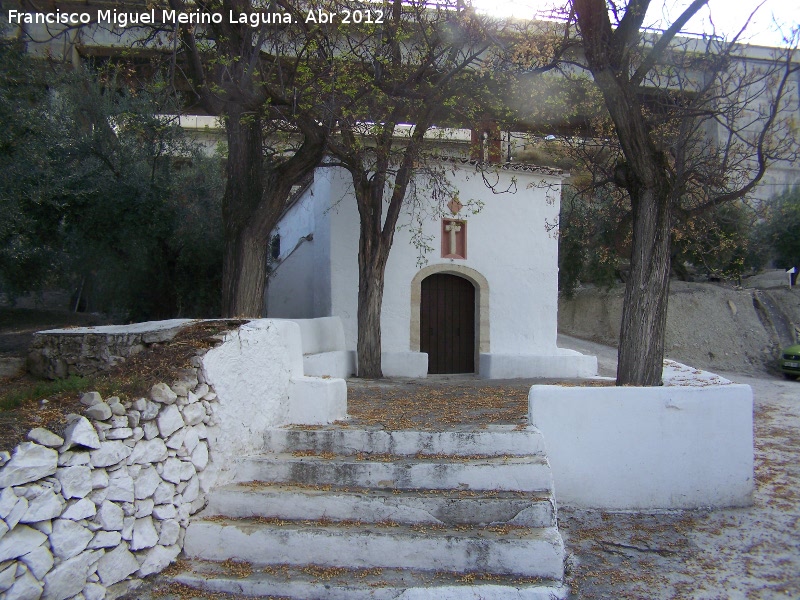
(414, 69)
(103, 196)
(687, 125)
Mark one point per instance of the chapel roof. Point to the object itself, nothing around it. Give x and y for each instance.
(506, 166)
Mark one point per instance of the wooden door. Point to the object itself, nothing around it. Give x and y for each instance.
(447, 323)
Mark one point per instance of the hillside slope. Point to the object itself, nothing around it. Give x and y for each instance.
(708, 325)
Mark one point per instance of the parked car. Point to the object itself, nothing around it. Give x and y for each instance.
(790, 361)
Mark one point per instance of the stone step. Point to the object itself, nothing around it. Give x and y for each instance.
(257, 499)
(495, 440)
(307, 582)
(526, 552)
(524, 474)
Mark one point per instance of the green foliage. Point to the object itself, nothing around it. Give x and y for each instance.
(28, 219)
(717, 243)
(592, 239)
(103, 196)
(781, 229)
(17, 396)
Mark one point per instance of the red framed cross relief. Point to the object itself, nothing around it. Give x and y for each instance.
(454, 238)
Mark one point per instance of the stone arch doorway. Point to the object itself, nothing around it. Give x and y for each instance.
(450, 317)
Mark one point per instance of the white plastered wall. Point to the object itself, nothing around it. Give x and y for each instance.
(633, 448)
(257, 373)
(511, 246)
(300, 285)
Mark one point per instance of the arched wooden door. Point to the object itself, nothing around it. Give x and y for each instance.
(447, 323)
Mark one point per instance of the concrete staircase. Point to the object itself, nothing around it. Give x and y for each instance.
(341, 513)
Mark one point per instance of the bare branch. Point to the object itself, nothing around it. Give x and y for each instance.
(664, 40)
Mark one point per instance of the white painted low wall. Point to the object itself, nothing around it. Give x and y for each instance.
(324, 334)
(567, 364)
(404, 364)
(323, 348)
(688, 444)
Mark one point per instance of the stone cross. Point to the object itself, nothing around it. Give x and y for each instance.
(452, 228)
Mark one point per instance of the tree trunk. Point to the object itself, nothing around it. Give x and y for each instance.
(370, 303)
(644, 311)
(644, 176)
(244, 273)
(256, 192)
(244, 268)
(372, 255)
(376, 234)
(621, 75)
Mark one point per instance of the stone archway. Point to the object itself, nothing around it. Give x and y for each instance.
(481, 304)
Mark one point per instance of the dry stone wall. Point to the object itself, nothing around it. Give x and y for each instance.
(109, 501)
(60, 353)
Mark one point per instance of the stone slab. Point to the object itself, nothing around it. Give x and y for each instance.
(293, 503)
(494, 441)
(534, 553)
(132, 329)
(389, 584)
(510, 474)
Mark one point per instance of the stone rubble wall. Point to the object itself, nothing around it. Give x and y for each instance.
(59, 353)
(82, 515)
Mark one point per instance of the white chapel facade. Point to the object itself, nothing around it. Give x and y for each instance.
(481, 297)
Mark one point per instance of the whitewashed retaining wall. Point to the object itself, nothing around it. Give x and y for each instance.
(687, 444)
(83, 515)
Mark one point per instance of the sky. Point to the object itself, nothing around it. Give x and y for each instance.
(726, 16)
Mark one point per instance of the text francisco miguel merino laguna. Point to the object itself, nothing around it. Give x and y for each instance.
(125, 19)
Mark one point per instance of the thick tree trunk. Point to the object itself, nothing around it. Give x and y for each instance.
(645, 176)
(245, 256)
(376, 234)
(256, 192)
(244, 273)
(644, 311)
(620, 73)
(373, 251)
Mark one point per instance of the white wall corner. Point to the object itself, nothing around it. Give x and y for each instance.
(251, 373)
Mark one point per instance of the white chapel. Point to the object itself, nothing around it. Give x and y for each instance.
(479, 296)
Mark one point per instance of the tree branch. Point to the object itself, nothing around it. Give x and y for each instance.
(657, 51)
